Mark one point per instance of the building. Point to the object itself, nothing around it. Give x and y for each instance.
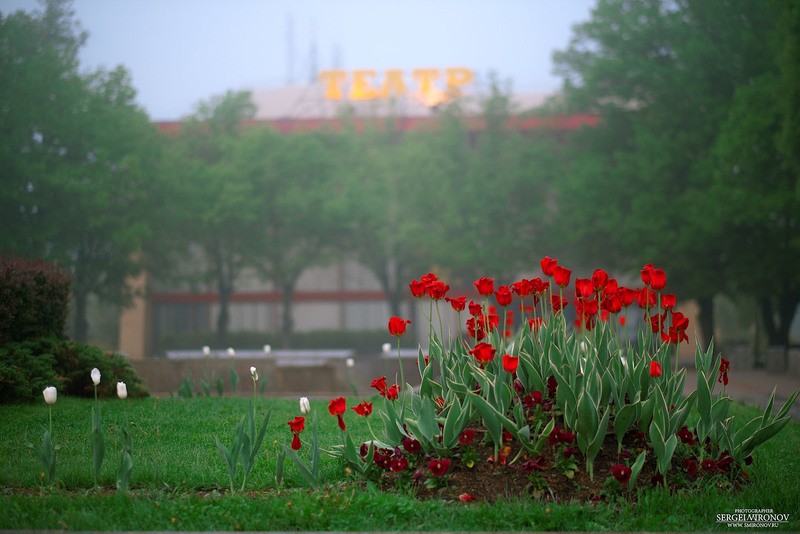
(341, 297)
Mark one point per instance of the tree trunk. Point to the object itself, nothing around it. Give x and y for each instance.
(287, 325)
(706, 318)
(225, 275)
(80, 325)
(777, 328)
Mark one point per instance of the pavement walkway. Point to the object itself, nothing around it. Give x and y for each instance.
(753, 388)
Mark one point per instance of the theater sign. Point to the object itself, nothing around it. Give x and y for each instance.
(431, 86)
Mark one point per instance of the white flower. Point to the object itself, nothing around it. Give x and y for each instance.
(206, 350)
(305, 406)
(387, 347)
(254, 373)
(50, 394)
(96, 376)
(267, 349)
(231, 352)
(350, 362)
(122, 390)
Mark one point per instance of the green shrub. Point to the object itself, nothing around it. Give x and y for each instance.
(34, 299)
(27, 367)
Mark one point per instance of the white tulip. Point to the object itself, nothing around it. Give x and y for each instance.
(122, 390)
(206, 350)
(96, 376)
(350, 362)
(305, 406)
(387, 347)
(231, 352)
(254, 373)
(50, 394)
(267, 349)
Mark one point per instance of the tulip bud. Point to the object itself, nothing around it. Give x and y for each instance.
(206, 350)
(122, 390)
(96, 376)
(254, 373)
(267, 349)
(350, 362)
(231, 352)
(387, 347)
(305, 406)
(50, 394)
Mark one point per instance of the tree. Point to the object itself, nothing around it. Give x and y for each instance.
(217, 211)
(663, 76)
(77, 153)
(298, 207)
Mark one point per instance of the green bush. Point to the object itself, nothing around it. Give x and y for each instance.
(27, 367)
(34, 299)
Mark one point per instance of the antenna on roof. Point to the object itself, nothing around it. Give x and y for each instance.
(313, 69)
(289, 50)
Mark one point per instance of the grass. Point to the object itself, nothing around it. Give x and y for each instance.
(179, 480)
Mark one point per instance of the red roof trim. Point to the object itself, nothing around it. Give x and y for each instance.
(404, 124)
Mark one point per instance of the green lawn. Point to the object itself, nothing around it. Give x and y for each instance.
(180, 482)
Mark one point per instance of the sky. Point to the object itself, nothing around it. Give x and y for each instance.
(183, 52)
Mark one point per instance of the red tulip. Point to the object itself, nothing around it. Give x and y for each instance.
(458, 303)
(393, 392)
(599, 279)
(724, 367)
(485, 286)
(297, 424)
(510, 363)
(417, 288)
(397, 326)
(658, 279)
(561, 276)
(583, 288)
(380, 385)
(337, 407)
(503, 296)
(483, 352)
(655, 369)
(548, 265)
(364, 409)
(437, 289)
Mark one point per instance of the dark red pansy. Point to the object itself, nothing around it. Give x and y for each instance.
(621, 472)
(398, 464)
(466, 436)
(411, 445)
(439, 467)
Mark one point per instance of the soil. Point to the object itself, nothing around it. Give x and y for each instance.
(490, 481)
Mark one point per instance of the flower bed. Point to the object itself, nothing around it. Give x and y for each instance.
(555, 410)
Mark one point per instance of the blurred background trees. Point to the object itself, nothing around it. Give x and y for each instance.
(694, 167)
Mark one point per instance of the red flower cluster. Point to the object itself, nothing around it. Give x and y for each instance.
(429, 284)
(390, 393)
